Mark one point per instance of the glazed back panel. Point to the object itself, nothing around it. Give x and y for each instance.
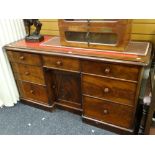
(98, 34)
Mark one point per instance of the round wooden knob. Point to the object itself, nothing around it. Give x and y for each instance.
(105, 111)
(21, 57)
(106, 90)
(27, 73)
(63, 96)
(53, 87)
(107, 70)
(59, 63)
(32, 91)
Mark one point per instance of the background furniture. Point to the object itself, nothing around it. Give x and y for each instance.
(141, 29)
(147, 101)
(109, 34)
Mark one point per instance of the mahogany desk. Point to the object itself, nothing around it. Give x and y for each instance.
(104, 87)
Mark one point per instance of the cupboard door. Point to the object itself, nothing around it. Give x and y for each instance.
(73, 32)
(113, 34)
(67, 88)
(109, 37)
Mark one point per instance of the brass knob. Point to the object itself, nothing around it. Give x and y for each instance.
(21, 57)
(59, 63)
(27, 73)
(105, 111)
(107, 70)
(106, 90)
(32, 91)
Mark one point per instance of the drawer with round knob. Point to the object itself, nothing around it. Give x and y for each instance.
(33, 92)
(113, 90)
(63, 63)
(108, 112)
(120, 71)
(24, 58)
(28, 73)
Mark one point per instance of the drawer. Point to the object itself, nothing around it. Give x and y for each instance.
(33, 92)
(28, 73)
(61, 63)
(108, 112)
(111, 70)
(109, 89)
(24, 58)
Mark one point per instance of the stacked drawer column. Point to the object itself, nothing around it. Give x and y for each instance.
(109, 93)
(28, 72)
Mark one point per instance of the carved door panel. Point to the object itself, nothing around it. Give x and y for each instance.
(67, 86)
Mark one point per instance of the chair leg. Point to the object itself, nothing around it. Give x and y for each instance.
(143, 120)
